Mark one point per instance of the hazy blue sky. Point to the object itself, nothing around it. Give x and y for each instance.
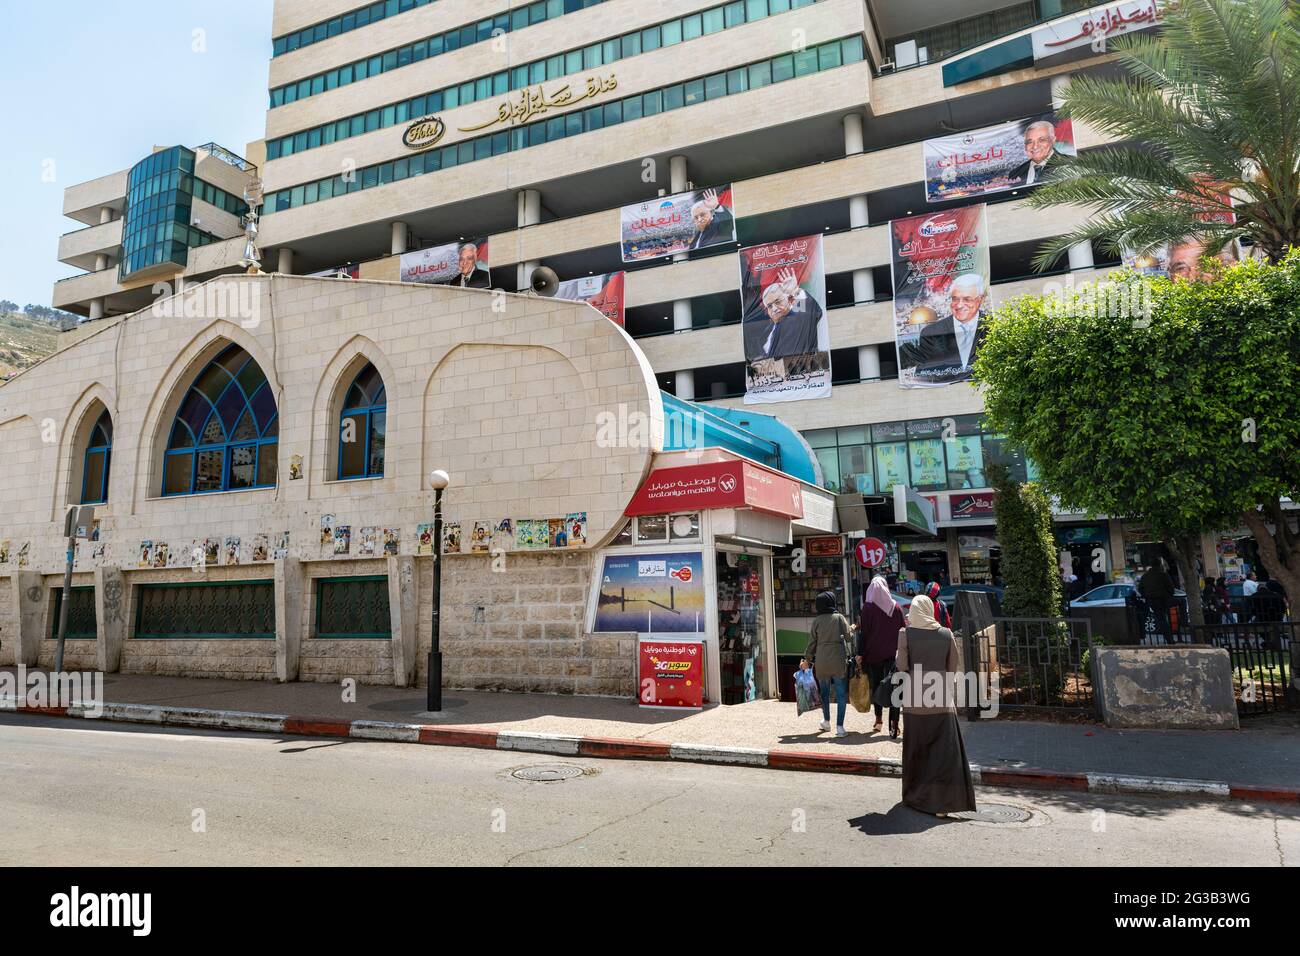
(91, 86)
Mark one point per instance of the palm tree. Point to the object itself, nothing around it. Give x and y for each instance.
(1212, 100)
(1206, 108)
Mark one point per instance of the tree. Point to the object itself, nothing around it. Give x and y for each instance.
(7, 307)
(1028, 566)
(1176, 403)
(1208, 108)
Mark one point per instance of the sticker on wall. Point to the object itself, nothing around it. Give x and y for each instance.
(481, 541)
(424, 539)
(295, 467)
(231, 551)
(4, 551)
(366, 547)
(261, 548)
(199, 557)
(282, 546)
(94, 531)
(392, 541)
(160, 554)
(23, 554)
(343, 539)
(98, 551)
(212, 551)
(503, 537)
(525, 534)
(451, 538)
(326, 529)
(146, 554)
(577, 525)
(557, 535)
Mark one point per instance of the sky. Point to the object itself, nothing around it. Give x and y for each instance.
(91, 86)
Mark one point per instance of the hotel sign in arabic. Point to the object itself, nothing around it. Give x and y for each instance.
(1095, 27)
(727, 484)
(534, 101)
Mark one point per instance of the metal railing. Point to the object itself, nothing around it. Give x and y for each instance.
(1034, 663)
(1263, 657)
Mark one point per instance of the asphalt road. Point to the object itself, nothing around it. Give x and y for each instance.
(117, 795)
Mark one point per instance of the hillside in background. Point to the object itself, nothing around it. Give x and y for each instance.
(28, 336)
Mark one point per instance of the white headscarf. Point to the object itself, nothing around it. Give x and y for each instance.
(921, 613)
(878, 594)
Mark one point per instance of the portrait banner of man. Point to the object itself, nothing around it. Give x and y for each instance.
(463, 263)
(786, 333)
(941, 273)
(996, 159)
(682, 222)
(604, 293)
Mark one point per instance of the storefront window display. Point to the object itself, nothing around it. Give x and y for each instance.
(1083, 552)
(742, 627)
(923, 561)
(930, 454)
(980, 559)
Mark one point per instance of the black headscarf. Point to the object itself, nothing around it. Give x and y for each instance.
(826, 602)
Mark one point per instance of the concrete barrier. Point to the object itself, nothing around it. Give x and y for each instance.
(1183, 687)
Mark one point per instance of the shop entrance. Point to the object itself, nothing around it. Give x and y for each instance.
(744, 657)
(1082, 551)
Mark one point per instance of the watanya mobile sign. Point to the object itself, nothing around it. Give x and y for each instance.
(787, 337)
(941, 278)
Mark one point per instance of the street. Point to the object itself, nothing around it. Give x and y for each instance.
(106, 794)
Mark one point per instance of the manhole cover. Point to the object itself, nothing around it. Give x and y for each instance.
(1002, 814)
(548, 773)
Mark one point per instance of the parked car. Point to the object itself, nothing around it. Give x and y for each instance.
(1113, 595)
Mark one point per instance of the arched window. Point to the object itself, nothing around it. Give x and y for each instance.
(226, 434)
(362, 426)
(94, 474)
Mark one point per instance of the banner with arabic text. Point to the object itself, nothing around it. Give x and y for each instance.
(604, 293)
(463, 264)
(996, 159)
(786, 334)
(1095, 27)
(671, 224)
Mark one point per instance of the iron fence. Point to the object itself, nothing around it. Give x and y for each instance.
(1263, 658)
(1034, 663)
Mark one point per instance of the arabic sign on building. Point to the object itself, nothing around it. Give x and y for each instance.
(534, 101)
(462, 264)
(651, 594)
(679, 223)
(997, 158)
(1095, 27)
(786, 333)
(724, 484)
(941, 273)
(671, 673)
(604, 293)
(970, 505)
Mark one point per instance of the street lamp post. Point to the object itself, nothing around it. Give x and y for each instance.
(438, 480)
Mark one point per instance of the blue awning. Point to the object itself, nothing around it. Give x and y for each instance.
(762, 438)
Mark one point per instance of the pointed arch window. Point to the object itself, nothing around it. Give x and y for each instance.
(94, 473)
(363, 426)
(226, 435)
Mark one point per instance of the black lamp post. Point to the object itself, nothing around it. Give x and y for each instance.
(438, 480)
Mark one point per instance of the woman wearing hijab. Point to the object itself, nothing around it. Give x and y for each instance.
(830, 642)
(879, 625)
(936, 774)
(940, 609)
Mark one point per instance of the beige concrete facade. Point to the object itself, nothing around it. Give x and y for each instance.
(502, 391)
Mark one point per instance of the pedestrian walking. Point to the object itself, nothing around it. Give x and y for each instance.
(936, 773)
(940, 609)
(879, 624)
(830, 654)
(1157, 589)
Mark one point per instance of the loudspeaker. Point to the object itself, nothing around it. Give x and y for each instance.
(544, 281)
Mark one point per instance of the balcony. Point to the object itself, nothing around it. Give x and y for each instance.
(83, 201)
(80, 247)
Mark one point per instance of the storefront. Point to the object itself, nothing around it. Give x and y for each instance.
(1083, 553)
(694, 563)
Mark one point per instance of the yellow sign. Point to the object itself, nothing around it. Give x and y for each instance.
(423, 133)
(534, 101)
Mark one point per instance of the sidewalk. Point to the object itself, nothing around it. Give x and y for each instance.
(1261, 756)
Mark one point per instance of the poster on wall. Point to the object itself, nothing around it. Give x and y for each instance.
(651, 594)
(670, 674)
(604, 293)
(996, 159)
(665, 226)
(463, 264)
(941, 275)
(787, 337)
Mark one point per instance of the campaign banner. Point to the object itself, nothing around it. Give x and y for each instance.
(651, 593)
(786, 334)
(670, 673)
(463, 264)
(668, 225)
(941, 276)
(996, 159)
(604, 293)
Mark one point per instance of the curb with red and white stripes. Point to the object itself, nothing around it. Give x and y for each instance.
(565, 745)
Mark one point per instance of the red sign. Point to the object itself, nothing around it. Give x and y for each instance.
(830, 546)
(870, 552)
(671, 673)
(723, 484)
(976, 505)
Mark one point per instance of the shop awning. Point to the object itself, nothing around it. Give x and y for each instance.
(753, 435)
(902, 512)
(715, 485)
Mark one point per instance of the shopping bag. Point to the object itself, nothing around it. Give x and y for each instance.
(807, 696)
(860, 693)
(884, 692)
